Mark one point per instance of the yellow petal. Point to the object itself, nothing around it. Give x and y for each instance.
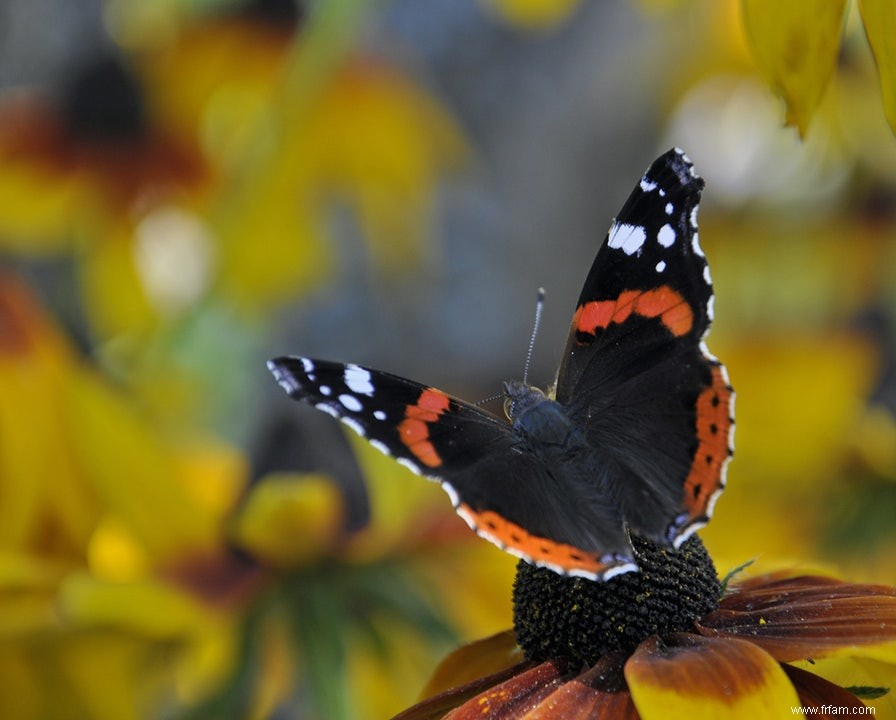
(40, 194)
(532, 14)
(692, 679)
(879, 19)
(295, 256)
(381, 141)
(290, 520)
(133, 472)
(856, 672)
(110, 689)
(114, 294)
(38, 475)
(115, 554)
(400, 503)
(27, 595)
(384, 681)
(22, 684)
(796, 45)
(475, 574)
(145, 608)
(476, 660)
(36, 207)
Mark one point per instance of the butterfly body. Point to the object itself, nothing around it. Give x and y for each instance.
(635, 436)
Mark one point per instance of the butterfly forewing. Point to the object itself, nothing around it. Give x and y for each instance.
(636, 367)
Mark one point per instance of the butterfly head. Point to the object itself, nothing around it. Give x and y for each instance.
(519, 397)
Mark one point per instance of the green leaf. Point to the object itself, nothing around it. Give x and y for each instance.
(735, 571)
(867, 692)
(318, 622)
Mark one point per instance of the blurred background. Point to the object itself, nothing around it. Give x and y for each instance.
(189, 187)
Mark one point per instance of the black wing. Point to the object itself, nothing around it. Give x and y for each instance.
(503, 491)
(636, 371)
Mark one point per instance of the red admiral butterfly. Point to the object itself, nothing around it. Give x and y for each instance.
(634, 436)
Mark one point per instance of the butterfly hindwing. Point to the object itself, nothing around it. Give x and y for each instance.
(504, 493)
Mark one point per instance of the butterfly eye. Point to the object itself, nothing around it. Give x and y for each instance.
(508, 407)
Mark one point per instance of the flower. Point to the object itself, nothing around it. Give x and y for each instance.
(797, 49)
(667, 642)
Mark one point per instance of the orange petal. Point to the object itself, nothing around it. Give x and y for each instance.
(435, 707)
(509, 699)
(601, 692)
(816, 692)
(808, 616)
(688, 677)
(473, 661)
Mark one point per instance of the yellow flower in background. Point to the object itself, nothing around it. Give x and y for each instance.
(120, 540)
(796, 45)
(201, 166)
(90, 149)
(366, 609)
(98, 509)
(532, 14)
(77, 449)
(807, 371)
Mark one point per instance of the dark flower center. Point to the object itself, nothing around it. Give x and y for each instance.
(556, 615)
(104, 103)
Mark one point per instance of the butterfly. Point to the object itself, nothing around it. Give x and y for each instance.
(635, 434)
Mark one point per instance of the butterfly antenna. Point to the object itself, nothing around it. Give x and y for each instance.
(539, 306)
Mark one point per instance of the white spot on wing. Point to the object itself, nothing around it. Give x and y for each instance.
(284, 379)
(452, 494)
(328, 409)
(706, 276)
(695, 243)
(710, 307)
(670, 208)
(354, 425)
(628, 238)
(647, 185)
(683, 155)
(358, 380)
(408, 464)
(379, 414)
(666, 236)
(712, 358)
(612, 572)
(381, 446)
(350, 402)
(724, 372)
(661, 265)
(694, 216)
(326, 390)
(687, 532)
(307, 365)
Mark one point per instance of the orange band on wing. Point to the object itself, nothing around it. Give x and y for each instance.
(713, 425)
(663, 302)
(414, 429)
(507, 534)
